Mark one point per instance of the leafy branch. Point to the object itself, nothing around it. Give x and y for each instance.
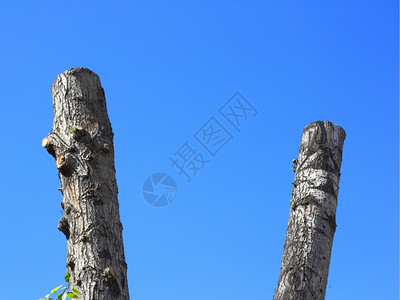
(66, 292)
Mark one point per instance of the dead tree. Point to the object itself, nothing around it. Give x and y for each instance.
(81, 141)
(312, 218)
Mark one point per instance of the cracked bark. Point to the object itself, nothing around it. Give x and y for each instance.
(312, 219)
(81, 141)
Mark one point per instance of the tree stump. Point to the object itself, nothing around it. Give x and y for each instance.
(81, 141)
(312, 218)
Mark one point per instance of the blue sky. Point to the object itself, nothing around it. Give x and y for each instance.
(167, 68)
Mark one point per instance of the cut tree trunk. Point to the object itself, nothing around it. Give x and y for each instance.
(312, 218)
(81, 141)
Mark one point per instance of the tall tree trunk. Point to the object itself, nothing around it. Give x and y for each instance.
(82, 143)
(312, 218)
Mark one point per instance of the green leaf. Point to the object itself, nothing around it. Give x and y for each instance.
(55, 289)
(67, 276)
(72, 295)
(75, 290)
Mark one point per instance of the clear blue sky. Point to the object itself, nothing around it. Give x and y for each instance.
(167, 68)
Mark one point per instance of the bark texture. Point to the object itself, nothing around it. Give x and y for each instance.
(312, 219)
(81, 141)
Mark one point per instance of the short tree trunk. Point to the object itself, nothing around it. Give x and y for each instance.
(82, 143)
(312, 219)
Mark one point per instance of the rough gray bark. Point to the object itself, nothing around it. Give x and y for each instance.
(312, 219)
(81, 141)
